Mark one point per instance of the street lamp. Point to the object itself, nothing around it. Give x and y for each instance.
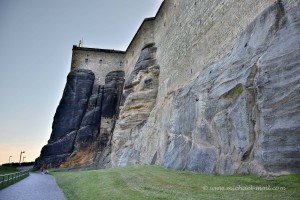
(21, 156)
(9, 159)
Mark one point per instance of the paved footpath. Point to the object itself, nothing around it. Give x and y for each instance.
(34, 187)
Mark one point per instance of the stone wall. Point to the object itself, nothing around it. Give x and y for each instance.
(212, 103)
(100, 61)
(144, 35)
(191, 34)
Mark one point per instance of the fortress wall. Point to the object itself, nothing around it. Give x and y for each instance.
(89, 58)
(192, 34)
(144, 35)
(189, 35)
(210, 112)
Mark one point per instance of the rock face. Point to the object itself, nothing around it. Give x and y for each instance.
(240, 115)
(140, 93)
(84, 121)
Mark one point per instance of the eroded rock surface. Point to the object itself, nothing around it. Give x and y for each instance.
(139, 99)
(240, 115)
(84, 121)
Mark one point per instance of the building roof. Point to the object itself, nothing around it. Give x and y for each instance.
(98, 50)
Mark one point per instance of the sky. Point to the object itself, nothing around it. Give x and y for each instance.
(36, 39)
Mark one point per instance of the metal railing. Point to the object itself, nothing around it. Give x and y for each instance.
(8, 179)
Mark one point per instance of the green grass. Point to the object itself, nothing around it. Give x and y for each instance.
(155, 182)
(7, 170)
(238, 90)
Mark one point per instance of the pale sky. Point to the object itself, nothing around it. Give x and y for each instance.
(36, 39)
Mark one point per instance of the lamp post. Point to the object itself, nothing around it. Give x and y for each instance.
(21, 157)
(9, 159)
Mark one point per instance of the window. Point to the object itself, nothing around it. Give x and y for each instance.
(86, 61)
(100, 61)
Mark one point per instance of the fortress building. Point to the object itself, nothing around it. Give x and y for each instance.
(207, 86)
(100, 61)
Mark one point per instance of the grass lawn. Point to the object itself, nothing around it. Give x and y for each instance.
(156, 182)
(7, 170)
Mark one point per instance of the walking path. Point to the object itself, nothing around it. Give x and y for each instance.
(34, 187)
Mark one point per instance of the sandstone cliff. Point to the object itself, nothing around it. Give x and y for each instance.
(84, 122)
(240, 115)
(140, 93)
(217, 112)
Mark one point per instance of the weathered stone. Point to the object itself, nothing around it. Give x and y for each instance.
(278, 96)
(95, 133)
(218, 105)
(67, 119)
(202, 160)
(140, 93)
(73, 104)
(64, 145)
(89, 112)
(238, 116)
(176, 156)
(146, 60)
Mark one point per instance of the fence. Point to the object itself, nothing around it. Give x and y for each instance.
(8, 179)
